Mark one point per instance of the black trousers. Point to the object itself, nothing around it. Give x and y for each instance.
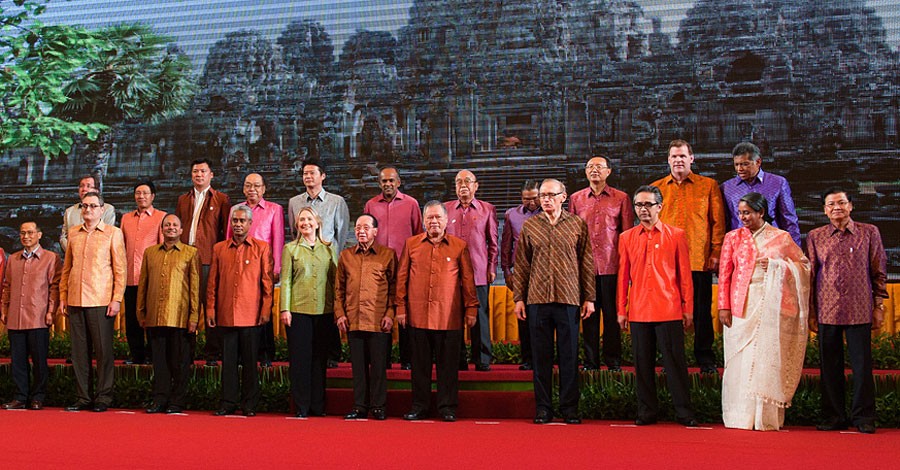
(831, 352)
(369, 365)
(213, 348)
(525, 341)
(133, 330)
(267, 341)
(703, 324)
(239, 346)
(402, 343)
(171, 364)
(308, 341)
(668, 337)
(443, 346)
(480, 334)
(545, 320)
(334, 342)
(34, 343)
(612, 335)
(91, 329)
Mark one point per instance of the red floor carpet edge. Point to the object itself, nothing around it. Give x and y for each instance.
(53, 438)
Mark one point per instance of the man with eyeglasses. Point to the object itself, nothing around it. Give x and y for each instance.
(29, 302)
(849, 288)
(91, 290)
(204, 213)
(141, 229)
(72, 216)
(268, 226)
(400, 218)
(751, 178)
(514, 218)
(694, 204)
(654, 296)
(554, 276)
(607, 212)
(475, 221)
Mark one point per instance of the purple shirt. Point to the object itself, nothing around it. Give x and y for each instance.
(849, 271)
(607, 215)
(398, 220)
(777, 193)
(477, 225)
(512, 227)
(268, 226)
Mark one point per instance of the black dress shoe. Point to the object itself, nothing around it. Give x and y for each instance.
(100, 407)
(317, 414)
(526, 366)
(356, 414)
(224, 411)
(835, 425)
(406, 366)
(158, 408)
(332, 364)
(448, 416)
(573, 419)
(414, 415)
(36, 405)
(80, 407)
(688, 423)
(482, 367)
(249, 413)
(301, 414)
(172, 409)
(379, 414)
(14, 405)
(543, 417)
(644, 422)
(866, 428)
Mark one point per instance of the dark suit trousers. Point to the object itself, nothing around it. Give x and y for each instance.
(308, 341)
(171, 364)
(704, 334)
(480, 334)
(831, 352)
(267, 341)
(239, 346)
(91, 328)
(213, 348)
(369, 362)
(612, 336)
(443, 346)
(34, 343)
(668, 337)
(402, 344)
(133, 330)
(545, 320)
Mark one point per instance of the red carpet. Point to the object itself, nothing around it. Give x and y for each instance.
(56, 439)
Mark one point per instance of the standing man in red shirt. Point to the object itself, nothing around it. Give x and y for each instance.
(655, 296)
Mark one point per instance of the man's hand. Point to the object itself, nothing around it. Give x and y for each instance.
(623, 322)
(286, 318)
(401, 320)
(113, 308)
(470, 321)
(587, 309)
(143, 323)
(813, 323)
(725, 316)
(520, 311)
(48, 319)
(688, 318)
(712, 264)
(263, 319)
(342, 323)
(3, 318)
(63, 309)
(491, 276)
(387, 324)
(192, 327)
(211, 321)
(877, 317)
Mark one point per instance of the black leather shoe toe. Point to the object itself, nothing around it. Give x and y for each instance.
(356, 414)
(379, 414)
(543, 417)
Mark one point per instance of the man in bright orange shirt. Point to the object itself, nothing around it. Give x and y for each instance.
(90, 294)
(655, 295)
(238, 299)
(694, 204)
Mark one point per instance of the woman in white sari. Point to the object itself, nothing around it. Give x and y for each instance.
(763, 303)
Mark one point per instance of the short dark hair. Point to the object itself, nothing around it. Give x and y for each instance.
(758, 203)
(836, 190)
(374, 220)
(604, 157)
(314, 162)
(171, 214)
(263, 178)
(95, 194)
(681, 143)
(530, 185)
(201, 161)
(94, 178)
(148, 184)
(37, 226)
(746, 148)
(649, 189)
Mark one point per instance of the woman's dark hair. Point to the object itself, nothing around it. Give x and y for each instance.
(758, 203)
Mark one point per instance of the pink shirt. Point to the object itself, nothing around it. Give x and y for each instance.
(607, 215)
(141, 229)
(477, 226)
(398, 219)
(268, 226)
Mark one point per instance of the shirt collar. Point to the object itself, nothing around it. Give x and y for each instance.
(197, 194)
(605, 190)
(397, 196)
(261, 204)
(522, 210)
(150, 211)
(177, 246)
(247, 241)
(358, 249)
(100, 226)
(475, 203)
(443, 239)
(36, 253)
(319, 197)
(851, 227)
(657, 227)
(758, 179)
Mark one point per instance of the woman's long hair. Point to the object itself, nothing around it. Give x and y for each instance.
(318, 219)
(758, 203)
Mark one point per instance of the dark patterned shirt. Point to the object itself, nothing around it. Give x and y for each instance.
(849, 271)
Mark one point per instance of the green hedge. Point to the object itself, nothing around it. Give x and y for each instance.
(604, 394)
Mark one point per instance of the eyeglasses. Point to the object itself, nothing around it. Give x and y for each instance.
(645, 205)
(597, 167)
(90, 206)
(549, 195)
(253, 185)
(28, 233)
(837, 203)
(142, 193)
(466, 181)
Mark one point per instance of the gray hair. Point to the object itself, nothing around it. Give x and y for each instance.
(562, 186)
(245, 209)
(746, 148)
(433, 203)
(652, 190)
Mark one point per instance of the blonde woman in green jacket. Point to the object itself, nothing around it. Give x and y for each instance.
(308, 268)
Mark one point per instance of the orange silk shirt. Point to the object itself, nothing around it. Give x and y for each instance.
(93, 273)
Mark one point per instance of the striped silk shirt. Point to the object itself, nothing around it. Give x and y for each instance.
(554, 263)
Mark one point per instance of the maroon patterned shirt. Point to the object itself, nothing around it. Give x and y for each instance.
(607, 215)
(849, 271)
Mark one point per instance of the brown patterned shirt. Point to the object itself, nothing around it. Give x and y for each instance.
(364, 288)
(849, 271)
(554, 263)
